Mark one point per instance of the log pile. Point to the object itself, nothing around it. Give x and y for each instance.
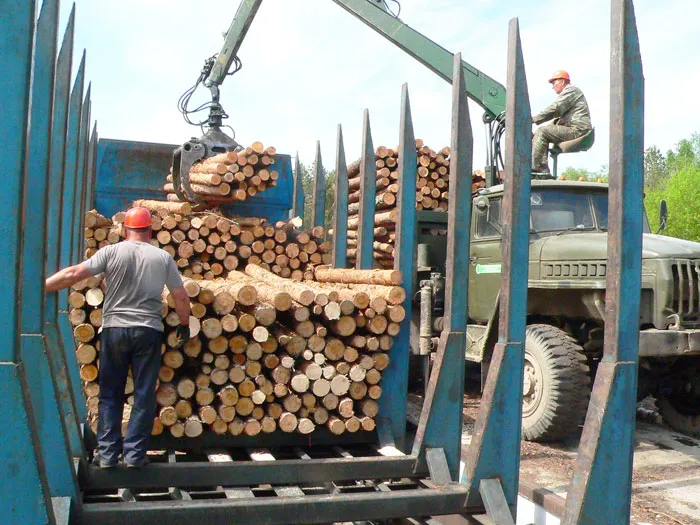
(233, 176)
(207, 245)
(266, 353)
(432, 186)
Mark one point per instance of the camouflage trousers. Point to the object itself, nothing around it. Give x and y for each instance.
(550, 134)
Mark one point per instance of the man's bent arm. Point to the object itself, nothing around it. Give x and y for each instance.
(68, 277)
(182, 304)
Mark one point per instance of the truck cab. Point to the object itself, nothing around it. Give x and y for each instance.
(566, 306)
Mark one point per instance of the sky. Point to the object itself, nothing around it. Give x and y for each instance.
(308, 65)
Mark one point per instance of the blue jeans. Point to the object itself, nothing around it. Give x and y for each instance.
(138, 347)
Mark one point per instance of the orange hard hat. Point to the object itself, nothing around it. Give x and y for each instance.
(561, 74)
(138, 217)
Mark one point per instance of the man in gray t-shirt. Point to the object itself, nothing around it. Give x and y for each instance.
(135, 274)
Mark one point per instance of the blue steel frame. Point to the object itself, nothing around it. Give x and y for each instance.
(56, 348)
(602, 481)
(318, 202)
(364, 257)
(340, 203)
(392, 403)
(440, 425)
(298, 192)
(494, 452)
(68, 245)
(53, 438)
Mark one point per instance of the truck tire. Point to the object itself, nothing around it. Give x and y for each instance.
(680, 408)
(556, 387)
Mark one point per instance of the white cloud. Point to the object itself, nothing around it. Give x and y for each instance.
(308, 65)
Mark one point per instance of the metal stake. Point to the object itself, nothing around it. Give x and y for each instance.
(318, 205)
(364, 258)
(601, 488)
(340, 215)
(494, 452)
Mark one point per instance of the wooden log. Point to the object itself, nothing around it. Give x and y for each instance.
(165, 208)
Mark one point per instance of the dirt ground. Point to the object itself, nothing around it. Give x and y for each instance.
(666, 475)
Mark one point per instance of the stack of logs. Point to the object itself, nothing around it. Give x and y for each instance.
(432, 186)
(207, 245)
(230, 177)
(266, 353)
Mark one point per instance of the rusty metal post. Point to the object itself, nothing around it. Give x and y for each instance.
(495, 449)
(392, 403)
(318, 202)
(340, 213)
(364, 257)
(298, 197)
(440, 424)
(601, 488)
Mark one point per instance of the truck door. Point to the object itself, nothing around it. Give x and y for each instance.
(485, 257)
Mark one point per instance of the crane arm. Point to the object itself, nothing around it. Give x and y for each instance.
(482, 89)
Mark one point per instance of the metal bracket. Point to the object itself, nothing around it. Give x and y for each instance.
(495, 501)
(437, 465)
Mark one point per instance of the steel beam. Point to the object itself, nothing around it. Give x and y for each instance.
(81, 180)
(601, 488)
(392, 403)
(249, 473)
(298, 197)
(318, 203)
(494, 452)
(280, 510)
(440, 424)
(23, 482)
(53, 439)
(364, 255)
(68, 229)
(59, 125)
(340, 204)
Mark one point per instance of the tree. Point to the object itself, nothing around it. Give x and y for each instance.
(655, 172)
(682, 193)
(308, 185)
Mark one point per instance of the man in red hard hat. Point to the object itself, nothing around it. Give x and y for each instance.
(571, 120)
(135, 273)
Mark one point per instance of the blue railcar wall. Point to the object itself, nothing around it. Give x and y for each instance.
(128, 170)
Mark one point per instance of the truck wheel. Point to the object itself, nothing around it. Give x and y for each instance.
(556, 386)
(680, 409)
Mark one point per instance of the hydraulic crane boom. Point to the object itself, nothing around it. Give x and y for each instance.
(482, 89)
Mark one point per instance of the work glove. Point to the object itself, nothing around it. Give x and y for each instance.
(183, 332)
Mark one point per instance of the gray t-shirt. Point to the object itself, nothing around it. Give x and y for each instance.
(135, 274)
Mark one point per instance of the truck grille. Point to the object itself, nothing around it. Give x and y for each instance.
(686, 287)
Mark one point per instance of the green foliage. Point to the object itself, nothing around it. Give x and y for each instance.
(675, 178)
(682, 194)
(308, 185)
(655, 171)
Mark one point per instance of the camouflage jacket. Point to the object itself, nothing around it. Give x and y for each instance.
(570, 109)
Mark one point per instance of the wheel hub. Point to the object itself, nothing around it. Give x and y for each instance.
(532, 387)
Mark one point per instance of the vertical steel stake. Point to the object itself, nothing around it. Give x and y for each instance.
(59, 126)
(81, 180)
(440, 424)
(364, 256)
(44, 391)
(340, 214)
(392, 404)
(601, 487)
(318, 205)
(22, 475)
(91, 169)
(68, 228)
(494, 452)
(298, 198)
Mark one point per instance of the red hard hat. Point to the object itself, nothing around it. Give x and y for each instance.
(561, 74)
(138, 217)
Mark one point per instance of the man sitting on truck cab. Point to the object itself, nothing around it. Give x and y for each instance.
(572, 120)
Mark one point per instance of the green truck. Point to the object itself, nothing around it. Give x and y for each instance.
(566, 306)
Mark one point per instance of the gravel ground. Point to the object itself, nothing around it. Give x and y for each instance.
(666, 476)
